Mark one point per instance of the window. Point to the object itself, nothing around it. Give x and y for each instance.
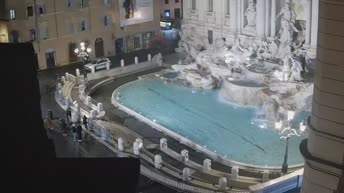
(12, 14)
(166, 2)
(210, 36)
(69, 3)
(227, 7)
(83, 25)
(193, 4)
(42, 9)
(107, 2)
(137, 42)
(176, 1)
(29, 11)
(43, 30)
(82, 3)
(107, 21)
(210, 5)
(167, 13)
(32, 34)
(177, 12)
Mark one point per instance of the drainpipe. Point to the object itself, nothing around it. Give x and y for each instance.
(36, 26)
(57, 31)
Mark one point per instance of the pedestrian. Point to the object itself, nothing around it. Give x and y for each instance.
(74, 132)
(85, 122)
(69, 115)
(49, 123)
(79, 131)
(63, 127)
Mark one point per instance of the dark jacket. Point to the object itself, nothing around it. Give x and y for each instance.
(73, 129)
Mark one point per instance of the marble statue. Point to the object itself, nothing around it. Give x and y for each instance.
(157, 59)
(285, 34)
(296, 70)
(251, 14)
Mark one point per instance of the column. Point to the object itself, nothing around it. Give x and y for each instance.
(261, 18)
(273, 18)
(308, 22)
(233, 16)
(267, 18)
(324, 149)
(315, 19)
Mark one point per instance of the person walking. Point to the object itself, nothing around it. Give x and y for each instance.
(85, 122)
(63, 127)
(49, 123)
(74, 130)
(79, 131)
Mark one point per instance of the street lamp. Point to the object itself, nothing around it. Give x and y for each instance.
(286, 133)
(83, 53)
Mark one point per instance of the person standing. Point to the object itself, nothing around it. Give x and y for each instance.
(79, 131)
(74, 130)
(85, 122)
(63, 127)
(69, 115)
(49, 123)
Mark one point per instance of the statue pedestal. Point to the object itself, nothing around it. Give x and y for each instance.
(248, 30)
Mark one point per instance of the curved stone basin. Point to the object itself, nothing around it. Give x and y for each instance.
(230, 132)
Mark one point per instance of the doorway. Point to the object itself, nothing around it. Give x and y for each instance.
(50, 56)
(99, 47)
(120, 46)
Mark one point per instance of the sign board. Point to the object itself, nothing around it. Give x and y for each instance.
(135, 11)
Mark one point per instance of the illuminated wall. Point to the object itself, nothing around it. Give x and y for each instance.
(3, 31)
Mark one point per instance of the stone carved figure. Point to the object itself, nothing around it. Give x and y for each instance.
(285, 34)
(251, 14)
(296, 70)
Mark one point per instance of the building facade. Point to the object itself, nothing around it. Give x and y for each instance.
(171, 9)
(249, 19)
(3, 31)
(56, 27)
(324, 150)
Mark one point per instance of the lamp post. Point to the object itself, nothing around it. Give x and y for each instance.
(83, 53)
(286, 133)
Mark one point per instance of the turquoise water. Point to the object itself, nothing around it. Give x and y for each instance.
(230, 131)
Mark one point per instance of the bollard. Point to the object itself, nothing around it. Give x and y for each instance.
(59, 86)
(136, 60)
(100, 107)
(120, 144)
(92, 114)
(63, 80)
(266, 175)
(222, 183)
(234, 172)
(163, 144)
(77, 72)
(60, 95)
(136, 148)
(186, 174)
(149, 57)
(157, 161)
(88, 100)
(67, 102)
(185, 155)
(122, 63)
(207, 165)
(139, 142)
(67, 77)
(93, 69)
